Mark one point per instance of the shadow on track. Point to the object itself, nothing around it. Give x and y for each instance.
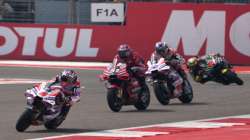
(62, 130)
(147, 111)
(189, 104)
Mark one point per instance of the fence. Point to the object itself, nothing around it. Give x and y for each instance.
(67, 11)
(17, 11)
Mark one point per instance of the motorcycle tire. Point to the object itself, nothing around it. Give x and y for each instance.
(234, 78)
(53, 124)
(238, 81)
(114, 102)
(187, 96)
(144, 99)
(24, 120)
(56, 122)
(161, 93)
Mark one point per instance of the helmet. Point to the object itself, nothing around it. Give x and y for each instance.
(192, 61)
(68, 76)
(124, 51)
(161, 48)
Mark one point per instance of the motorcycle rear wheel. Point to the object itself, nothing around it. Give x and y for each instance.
(144, 99)
(234, 78)
(24, 121)
(187, 96)
(56, 122)
(53, 124)
(238, 81)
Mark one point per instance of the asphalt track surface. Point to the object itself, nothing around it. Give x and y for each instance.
(92, 113)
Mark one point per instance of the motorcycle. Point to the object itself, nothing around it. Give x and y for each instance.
(221, 71)
(124, 89)
(163, 88)
(45, 105)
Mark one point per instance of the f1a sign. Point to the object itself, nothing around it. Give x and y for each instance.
(107, 12)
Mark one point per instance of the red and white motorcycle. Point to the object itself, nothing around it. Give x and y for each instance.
(158, 75)
(44, 106)
(123, 89)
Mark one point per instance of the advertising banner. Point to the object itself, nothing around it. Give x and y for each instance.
(192, 29)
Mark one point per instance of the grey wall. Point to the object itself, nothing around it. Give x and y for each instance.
(56, 11)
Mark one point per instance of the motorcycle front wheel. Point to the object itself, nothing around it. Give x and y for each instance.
(161, 93)
(24, 120)
(114, 102)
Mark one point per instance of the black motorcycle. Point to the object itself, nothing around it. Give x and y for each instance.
(221, 71)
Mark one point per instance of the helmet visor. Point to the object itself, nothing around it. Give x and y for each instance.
(161, 51)
(64, 79)
(123, 54)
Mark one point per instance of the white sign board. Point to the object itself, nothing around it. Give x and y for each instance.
(107, 12)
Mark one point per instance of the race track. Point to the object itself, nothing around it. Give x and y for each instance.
(93, 114)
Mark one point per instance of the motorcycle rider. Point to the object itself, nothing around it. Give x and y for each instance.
(135, 64)
(70, 83)
(170, 55)
(198, 67)
(172, 58)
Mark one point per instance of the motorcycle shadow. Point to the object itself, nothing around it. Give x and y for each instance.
(189, 104)
(62, 130)
(147, 111)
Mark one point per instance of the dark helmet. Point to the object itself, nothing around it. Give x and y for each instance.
(69, 76)
(124, 51)
(161, 47)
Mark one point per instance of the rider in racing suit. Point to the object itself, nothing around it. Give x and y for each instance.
(68, 79)
(135, 64)
(198, 67)
(174, 60)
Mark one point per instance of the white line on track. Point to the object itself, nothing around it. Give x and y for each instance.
(53, 63)
(67, 64)
(127, 132)
(4, 81)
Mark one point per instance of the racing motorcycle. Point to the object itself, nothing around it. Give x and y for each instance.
(163, 89)
(221, 70)
(45, 104)
(124, 89)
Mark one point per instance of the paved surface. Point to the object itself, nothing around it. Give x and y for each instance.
(92, 113)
